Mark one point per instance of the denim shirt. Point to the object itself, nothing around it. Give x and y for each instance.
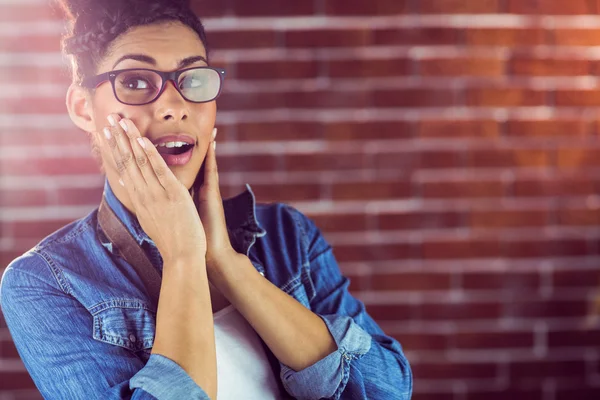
(84, 325)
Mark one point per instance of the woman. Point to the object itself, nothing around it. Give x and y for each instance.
(251, 301)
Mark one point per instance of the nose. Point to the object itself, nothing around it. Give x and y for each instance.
(171, 104)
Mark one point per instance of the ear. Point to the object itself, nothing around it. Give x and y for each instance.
(80, 108)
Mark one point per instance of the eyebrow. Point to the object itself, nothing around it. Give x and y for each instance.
(150, 60)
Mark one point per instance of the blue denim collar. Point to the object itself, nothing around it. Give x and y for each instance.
(240, 218)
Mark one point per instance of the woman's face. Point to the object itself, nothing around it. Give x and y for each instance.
(166, 44)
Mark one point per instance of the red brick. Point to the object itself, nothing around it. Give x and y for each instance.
(244, 163)
(455, 128)
(494, 340)
(544, 369)
(509, 158)
(576, 278)
(421, 36)
(551, 7)
(414, 98)
(328, 38)
(47, 43)
(505, 97)
(373, 252)
(36, 229)
(24, 198)
(304, 99)
(24, 105)
(14, 12)
(33, 74)
(252, 8)
(512, 394)
(576, 37)
(16, 381)
(276, 69)
(6, 257)
(576, 337)
(524, 65)
(268, 192)
(369, 68)
(278, 131)
(503, 281)
(205, 9)
(452, 311)
(422, 341)
(49, 166)
(458, 189)
(458, 7)
(578, 157)
(338, 131)
(360, 7)
(462, 67)
(518, 308)
(370, 190)
(401, 161)
(442, 370)
(416, 281)
(420, 220)
(579, 217)
(241, 39)
(505, 37)
(325, 162)
(79, 196)
(390, 312)
(439, 249)
(549, 128)
(538, 248)
(440, 159)
(341, 222)
(552, 186)
(8, 350)
(578, 98)
(584, 392)
(509, 218)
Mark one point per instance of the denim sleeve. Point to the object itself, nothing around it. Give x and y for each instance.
(367, 363)
(52, 332)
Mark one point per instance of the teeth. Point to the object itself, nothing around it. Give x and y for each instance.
(171, 144)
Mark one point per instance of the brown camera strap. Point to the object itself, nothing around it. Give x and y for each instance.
(133, 253)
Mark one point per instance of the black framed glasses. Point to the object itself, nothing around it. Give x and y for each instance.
(139, 86)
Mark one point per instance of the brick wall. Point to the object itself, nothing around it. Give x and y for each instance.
(447, 149)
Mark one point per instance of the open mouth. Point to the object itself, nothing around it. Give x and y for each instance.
(176, 155)
(174, 150)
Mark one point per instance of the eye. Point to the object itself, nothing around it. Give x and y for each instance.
(135, 83)
(190, 82)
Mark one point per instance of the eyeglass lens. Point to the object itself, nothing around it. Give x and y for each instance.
(140, 86)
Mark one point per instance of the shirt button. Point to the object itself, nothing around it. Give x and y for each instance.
(262, 273)
(132, 338)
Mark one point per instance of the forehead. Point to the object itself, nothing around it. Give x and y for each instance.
(166, 42)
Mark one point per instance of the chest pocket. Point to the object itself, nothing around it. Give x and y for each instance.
(126, 323)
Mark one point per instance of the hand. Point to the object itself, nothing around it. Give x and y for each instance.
(162, 204)
(210, 208)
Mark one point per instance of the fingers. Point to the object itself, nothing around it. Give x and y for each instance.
(211, 173)
(123, 154)
(151, 164)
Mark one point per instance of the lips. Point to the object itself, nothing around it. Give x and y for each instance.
(178, 137)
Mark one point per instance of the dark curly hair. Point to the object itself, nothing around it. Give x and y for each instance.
(94, 24)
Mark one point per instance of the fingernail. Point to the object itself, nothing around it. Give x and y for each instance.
(214, 133)
(123, 125)
(121, 182)
(111, 120)
(214, 145)
(107, 133)
(141, 142)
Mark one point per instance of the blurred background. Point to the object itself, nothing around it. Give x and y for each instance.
(446, 148)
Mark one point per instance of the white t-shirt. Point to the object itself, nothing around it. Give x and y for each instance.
(243, 369)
